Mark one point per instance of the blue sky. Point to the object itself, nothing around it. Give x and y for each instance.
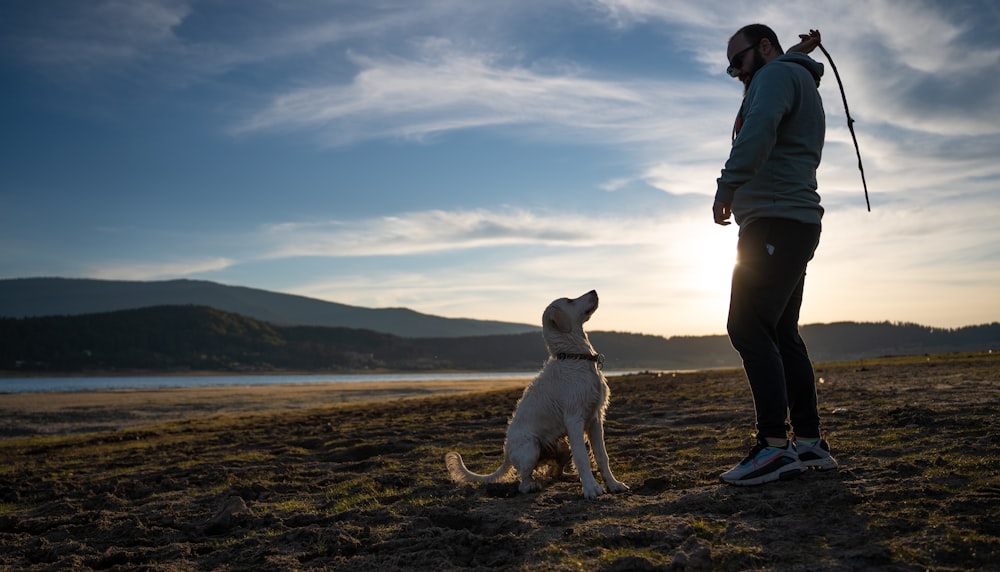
(479, 159)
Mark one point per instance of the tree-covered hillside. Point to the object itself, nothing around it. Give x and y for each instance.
(189, 338)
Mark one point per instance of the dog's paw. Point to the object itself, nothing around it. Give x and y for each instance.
(529, 486)
(618, 487)
(593, 491)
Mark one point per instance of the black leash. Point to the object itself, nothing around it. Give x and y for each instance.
(850, 124)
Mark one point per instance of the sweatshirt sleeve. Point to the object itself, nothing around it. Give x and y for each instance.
(766, 103)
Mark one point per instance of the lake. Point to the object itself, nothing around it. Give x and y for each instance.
(51, 384)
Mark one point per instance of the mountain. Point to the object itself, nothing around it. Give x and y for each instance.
(185, 338)
(28, 297)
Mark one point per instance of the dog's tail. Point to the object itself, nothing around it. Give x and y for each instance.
(460, 474)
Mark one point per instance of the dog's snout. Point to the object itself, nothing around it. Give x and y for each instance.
(589, 302)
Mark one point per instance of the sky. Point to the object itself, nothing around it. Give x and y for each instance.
(479, 159)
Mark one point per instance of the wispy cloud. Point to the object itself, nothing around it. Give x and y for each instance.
(445, 87)
(444, 231)
(349, 76)
(913, 64)
(430, 67)
(158, 270)
(652, 272)
(97, 35)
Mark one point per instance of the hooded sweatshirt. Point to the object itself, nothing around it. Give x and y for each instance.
(771, 171)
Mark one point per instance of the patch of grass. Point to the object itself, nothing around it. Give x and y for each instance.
(740, 557)
(292, 505)
(359, 494)
(558, 556)
(225, 542)
(245, 457)
(707, 529)
(15, 444)
(365, 488)
(611, 556)
(216, 488)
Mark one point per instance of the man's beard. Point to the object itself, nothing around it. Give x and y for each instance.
(758, 62)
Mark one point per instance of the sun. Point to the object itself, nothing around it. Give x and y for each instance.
(693, 278)
(711, 261)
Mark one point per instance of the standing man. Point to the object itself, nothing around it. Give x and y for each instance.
(769, 186)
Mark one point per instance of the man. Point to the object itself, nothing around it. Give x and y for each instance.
(769, 186)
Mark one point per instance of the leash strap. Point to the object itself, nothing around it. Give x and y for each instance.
(850, 124)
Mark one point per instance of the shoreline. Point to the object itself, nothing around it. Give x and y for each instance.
(123, 382)
(8, 374)
(40, 414)
(101, 410)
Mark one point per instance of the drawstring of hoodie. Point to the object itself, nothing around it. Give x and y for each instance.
(850, 124)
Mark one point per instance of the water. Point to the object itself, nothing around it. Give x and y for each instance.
(55, 384)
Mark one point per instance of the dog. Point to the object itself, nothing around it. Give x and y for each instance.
(560, 411)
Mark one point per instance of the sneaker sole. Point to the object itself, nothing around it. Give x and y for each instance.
(786, 473)
(820, 464)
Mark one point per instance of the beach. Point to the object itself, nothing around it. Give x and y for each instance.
(319, 479)
(57, 413)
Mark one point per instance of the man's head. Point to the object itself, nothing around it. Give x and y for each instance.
(749, 49)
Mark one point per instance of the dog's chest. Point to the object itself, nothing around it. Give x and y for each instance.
(577, 385)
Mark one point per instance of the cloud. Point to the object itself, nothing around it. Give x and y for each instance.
(445, 87)
(157, 271)
(427, 68)
(661, 272)
(438, 231)
(923, 69)
(439, 84)
(626, 13)
(93, 35)
(922, 66)
(655, 272)
(918, 75)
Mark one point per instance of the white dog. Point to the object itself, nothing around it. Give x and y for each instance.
(560, 411)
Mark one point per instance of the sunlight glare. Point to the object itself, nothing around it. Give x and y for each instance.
(711, 262)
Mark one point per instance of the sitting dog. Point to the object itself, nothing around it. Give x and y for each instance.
(560, 411)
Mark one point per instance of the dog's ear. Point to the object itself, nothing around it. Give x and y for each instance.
(558, 318)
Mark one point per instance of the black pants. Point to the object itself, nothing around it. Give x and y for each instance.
(768, 280)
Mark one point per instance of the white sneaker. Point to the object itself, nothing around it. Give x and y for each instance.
(764, 464)
(815, 456)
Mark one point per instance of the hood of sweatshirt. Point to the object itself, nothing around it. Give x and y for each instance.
(815, 68)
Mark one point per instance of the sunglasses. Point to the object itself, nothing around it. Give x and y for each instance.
(736, 62)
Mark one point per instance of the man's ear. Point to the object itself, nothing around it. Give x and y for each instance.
(766, 47)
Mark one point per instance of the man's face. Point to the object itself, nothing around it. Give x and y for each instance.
(744, 59)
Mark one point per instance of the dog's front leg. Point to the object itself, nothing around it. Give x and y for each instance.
(581, 458)
(596, 434)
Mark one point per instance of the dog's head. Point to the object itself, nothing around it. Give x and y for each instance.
(562, 324)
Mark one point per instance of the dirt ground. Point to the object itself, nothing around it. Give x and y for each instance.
(317, 482)
(43, 413)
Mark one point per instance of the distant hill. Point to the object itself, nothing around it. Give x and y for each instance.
(185, 338)
(35, 297)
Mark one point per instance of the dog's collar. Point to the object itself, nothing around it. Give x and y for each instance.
(599, 358)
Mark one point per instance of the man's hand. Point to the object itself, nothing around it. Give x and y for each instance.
(808, 42)
(721, 211)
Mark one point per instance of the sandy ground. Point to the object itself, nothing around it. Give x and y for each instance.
(301, 478)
